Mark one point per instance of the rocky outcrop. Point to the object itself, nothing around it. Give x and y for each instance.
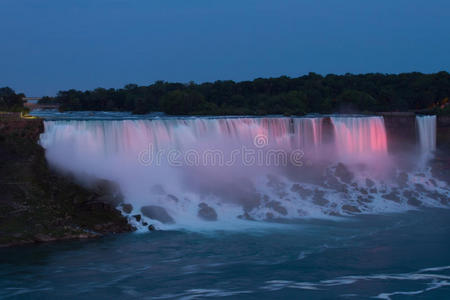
(206, 212)
(400, 130)
(157, 213)
(39, 205)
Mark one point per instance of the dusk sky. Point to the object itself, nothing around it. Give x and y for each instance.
(52, 45)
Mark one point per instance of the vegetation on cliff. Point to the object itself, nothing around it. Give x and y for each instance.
(312, 93)
(38, 205)
(10, 101)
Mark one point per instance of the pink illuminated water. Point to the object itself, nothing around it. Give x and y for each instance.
(360, 136)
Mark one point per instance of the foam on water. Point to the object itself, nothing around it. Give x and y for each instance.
(432, 280)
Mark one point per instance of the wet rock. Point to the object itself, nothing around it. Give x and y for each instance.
(402, 179)
(393, 196)
(373, 191)
(206, 212)
(362, 199)
(301, 212)
(127, 208)
(250, 201)
(137, 217)
(95, 206)
(333, 182)
(110, 199)
(410, 194)
(111, 227)
(350, 208)
(104, 186)
(269, 216)
(303, 192)
(151, 227)
(319, 199)
(435, 195)
(276, 206)
(157, 213)
(334, 213)
(420, 188)
(246, 216)
(343, 173)
(363, 191)
(369, 182)
(172, 197)
(277, 185)
(414, 202)
(108, 192)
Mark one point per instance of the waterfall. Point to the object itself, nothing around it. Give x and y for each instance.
(194, 170)
(426, 128)
(356, 136)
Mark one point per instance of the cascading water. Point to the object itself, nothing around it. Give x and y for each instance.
(360, 136)
(426, 128)
(183, 172)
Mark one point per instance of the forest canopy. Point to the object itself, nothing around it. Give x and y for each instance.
(311, 93)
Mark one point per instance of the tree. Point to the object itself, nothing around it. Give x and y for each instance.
(10, 101)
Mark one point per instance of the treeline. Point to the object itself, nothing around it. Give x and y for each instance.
(10, 101)
(312, 93)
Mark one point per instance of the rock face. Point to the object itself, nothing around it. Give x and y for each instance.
(400, 130)
(157, 213)
(127, 208)
(206, 212)
(39, 205)
(343, 173)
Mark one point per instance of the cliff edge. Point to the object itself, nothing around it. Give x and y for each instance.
(39, 205)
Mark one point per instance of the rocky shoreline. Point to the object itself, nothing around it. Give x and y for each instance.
(39, 205)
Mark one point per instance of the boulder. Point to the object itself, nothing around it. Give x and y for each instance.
(127, 208)
(157, 213)
(369, 182)
(350, 208)
(393, 196)
(319, 198)
(206, 212)
(303, 192)
(110, 199)
(343, 173)
(276, 206)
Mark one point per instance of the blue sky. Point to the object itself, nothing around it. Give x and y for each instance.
(51, 45)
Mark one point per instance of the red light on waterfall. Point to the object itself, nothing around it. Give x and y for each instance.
(360, 135)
